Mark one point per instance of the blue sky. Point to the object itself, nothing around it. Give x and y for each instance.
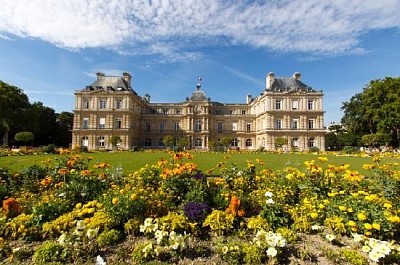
(50, 48)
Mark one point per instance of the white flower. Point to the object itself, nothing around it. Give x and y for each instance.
(366, 249)
(330, 237)
(271, 251)
(268, 194)
(80, 225)
(92, 233)
(357, 237)
(316, 227)
(270, 201)
(100, 260)
(61, 240)
(225, 249)
(375, 256)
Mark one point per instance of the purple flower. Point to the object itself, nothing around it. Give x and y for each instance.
(196, 211)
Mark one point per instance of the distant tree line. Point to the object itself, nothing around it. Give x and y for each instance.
(371, 118)
(18, 115)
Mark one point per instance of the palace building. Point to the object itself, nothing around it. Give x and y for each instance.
(287, 108)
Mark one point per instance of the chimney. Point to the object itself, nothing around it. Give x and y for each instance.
(297, 75)
(127, 77)
(269, 80)
(147, 98)
(99, 75)
(248, 99)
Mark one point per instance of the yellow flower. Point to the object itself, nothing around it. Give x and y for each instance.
(78, 205)
(342, 208)
(368, 226)
(115, 201)
(351, 223)
(133, 196)
(361, 217)
(376, 226)
(387, 205)
(314, 215)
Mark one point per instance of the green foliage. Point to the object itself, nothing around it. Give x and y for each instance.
(168, 141)
(47, 211)
(109, 238)
(219, 222)
(175, 222)
(49, 251)
(281, 141)
(24, 137)
(115, 140)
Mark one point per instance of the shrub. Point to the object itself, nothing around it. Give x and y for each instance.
(109, 238)
(49, 251)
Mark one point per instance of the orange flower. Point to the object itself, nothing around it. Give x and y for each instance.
(11, 207)
(85, 172)
(63, 171)
(234, 205)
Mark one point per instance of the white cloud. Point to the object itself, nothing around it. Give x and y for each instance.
(179, 29)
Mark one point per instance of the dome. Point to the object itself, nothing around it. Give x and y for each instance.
(198, 94)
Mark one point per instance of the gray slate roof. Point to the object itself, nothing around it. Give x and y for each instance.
(110, 83)
(287, 84)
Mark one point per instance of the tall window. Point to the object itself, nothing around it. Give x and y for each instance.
(165, 111)
(118, 123)
(278, 124)
(234, 126)
(248, 127)
(102, 123)
(178, 111)
(176, 142)
(85, 123)
(278, 104)
(295, 142)
(85, 104)
(219, 126)
(176, 126)
(295, 105)
(198, 143)
(197, 126)
(102, 141)
(310, 104)
(295, 124)
(311, 142)
(311, 124)
(147, 142)
(234, 142)
(147, 126)
(85, 141)
(118, 104)
(249, 143)
(102, 104)
(162, 126)
(160, 142)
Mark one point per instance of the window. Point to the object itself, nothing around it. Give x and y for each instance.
(160, 142)
(310, 124)
(198, 142)
(118, 104)
(278, 104)
(249, 143)
(278, 124)
(147, 126)
(218, 112)
(295, 105)
(85, 104)
(178, 111)
(102, 123)
(243, 112)
(311, 142)
(234, 126)
(147, 142)
(102, 141)
(102, 104)
(295, 142)
(85, 123)
(165, 111)
(85, 141)
(197, 126)
(219, 126)
(176, 126)
(176, 142)
(248, 127)
(310, 104)
(295, 124)
(162, 126)
(234, 142)
(118, 123)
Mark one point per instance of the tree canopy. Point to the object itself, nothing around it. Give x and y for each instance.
(375, 110)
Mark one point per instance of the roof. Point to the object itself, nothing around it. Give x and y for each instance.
(281, 84)
(110, 83)
(198, 94)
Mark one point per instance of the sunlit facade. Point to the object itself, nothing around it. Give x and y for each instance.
(287, 108)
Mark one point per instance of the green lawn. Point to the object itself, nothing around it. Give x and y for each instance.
(131, 161)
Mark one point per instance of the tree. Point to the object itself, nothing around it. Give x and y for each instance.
(24, 137)
(14, 106)
(281, 141)
(64, 121)
(115, 140)
(183, 142)
(226, 141)
(375, 110)
(168, 141)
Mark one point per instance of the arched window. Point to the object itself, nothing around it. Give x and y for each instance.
(197, 125)
(198, 142)
(249, 143)
(147, 142)
(234, 142)
(311, 142)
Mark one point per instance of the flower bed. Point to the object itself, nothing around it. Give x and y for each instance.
(71, 210)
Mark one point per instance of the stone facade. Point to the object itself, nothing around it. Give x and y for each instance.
(287, 108)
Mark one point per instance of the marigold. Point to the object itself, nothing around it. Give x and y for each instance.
(368, 226)
(361, 216)
(376, 226)
(115, 201)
